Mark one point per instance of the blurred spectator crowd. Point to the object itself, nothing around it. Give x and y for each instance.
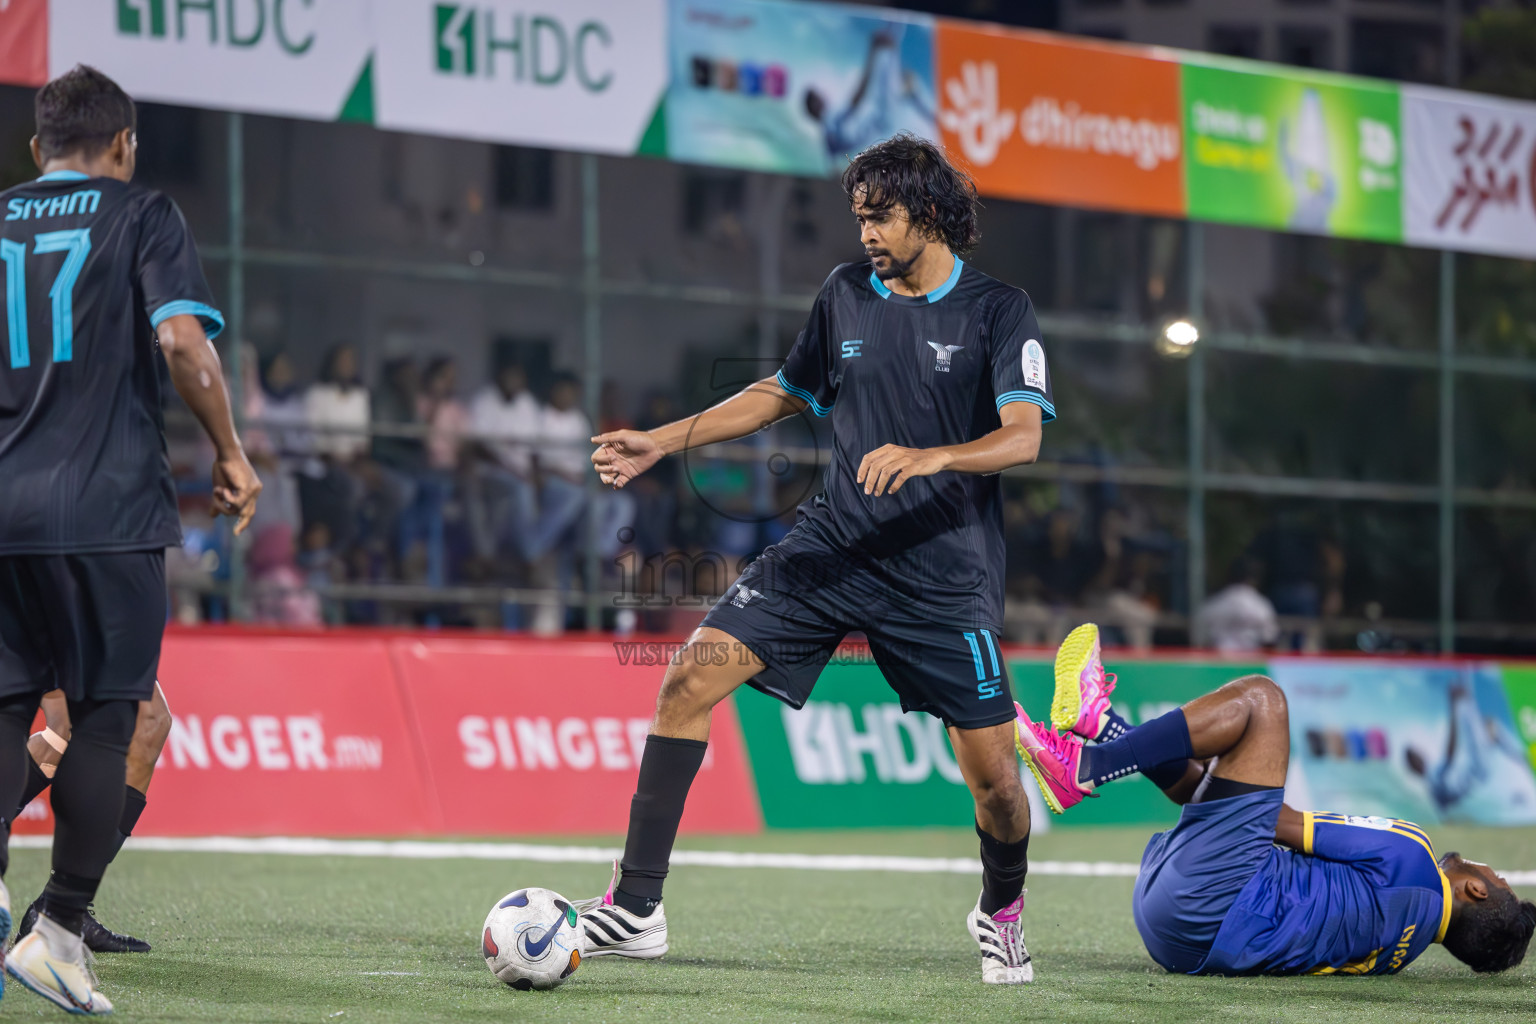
(406, 483)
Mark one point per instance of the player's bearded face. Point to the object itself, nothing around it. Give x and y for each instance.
(890, 240)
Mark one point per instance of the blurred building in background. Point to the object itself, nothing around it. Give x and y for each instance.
(420, 318)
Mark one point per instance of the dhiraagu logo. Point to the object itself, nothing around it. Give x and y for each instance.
(238, 24)
(514, 45)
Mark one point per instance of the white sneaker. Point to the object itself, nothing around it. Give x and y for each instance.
(54, 963)
(610, 930)
(1004, 960)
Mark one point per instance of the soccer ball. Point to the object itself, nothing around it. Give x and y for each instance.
(531, 940)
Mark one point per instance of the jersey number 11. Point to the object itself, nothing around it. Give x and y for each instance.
(77, 244)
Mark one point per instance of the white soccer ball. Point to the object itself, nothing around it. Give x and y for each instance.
(531, 939)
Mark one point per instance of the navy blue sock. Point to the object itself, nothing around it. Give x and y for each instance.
(1114, 727)
(1158, 742)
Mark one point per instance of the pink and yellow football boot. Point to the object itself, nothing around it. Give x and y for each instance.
(1053, 758)
(1081, 702)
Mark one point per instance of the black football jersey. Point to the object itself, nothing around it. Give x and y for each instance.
(89, 267)
(920, 372)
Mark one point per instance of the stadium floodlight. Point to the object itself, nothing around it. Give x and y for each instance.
(1177, 339)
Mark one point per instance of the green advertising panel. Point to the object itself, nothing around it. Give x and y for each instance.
(851, 759)
(1520, 687)
(1311, 153)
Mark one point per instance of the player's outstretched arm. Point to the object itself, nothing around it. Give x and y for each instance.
(1015, 443)
(623, 455)
(199, 378)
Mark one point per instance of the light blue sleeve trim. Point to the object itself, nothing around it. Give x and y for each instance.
(949, 285)
(879, 286)
(804, 395)
(65, 176)
(1009, 397)
(186, 307)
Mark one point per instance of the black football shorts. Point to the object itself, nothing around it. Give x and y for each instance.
(87, 624)
(793, 606)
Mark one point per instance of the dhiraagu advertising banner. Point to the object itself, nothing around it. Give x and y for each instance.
(851, 759)
(1312, 153)
(795, 88)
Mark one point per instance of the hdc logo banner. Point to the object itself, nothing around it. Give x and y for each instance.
(580, 74)
(295, 58)
(1471, 172)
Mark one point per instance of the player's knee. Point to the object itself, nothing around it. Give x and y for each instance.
(998, 797)
(1266, 699)
(685, 692)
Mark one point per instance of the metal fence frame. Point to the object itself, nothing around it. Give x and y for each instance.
(770, 302)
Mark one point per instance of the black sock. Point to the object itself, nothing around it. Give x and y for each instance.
(1003, 866)
(1114, 727)
(133, 806)
(88, 805)
(667, 769)
(16, 714)
(1164, 739)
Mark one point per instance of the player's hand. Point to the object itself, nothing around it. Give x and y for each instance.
(235, 488)
(623, 455)
(885, 469)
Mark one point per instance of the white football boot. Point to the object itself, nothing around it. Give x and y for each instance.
(54, 963)
(610, 930)
(1004, 960)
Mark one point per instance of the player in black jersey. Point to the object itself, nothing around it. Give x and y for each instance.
(100, 280)
(935, 381)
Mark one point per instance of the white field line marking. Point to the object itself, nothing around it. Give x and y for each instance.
(408, 849)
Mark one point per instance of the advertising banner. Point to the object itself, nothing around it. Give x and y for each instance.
(1471, 172)
(580, 74)
(1041, 118)
(23, 42)
(525, 737)
(1430, 743)
(851, 759)
(285, 735)
(1520, 687)
(792, 87)
(1297, 152)
(286, 57)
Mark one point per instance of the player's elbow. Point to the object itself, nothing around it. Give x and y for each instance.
(1026, 447)
(181, 338)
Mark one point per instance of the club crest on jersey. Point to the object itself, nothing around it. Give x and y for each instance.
(743, 595)
(945, 353)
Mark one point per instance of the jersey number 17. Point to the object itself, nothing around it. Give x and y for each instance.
(77, 244)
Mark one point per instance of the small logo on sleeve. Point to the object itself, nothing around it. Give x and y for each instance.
(1034, 365)
(744, 595)
(851, 349)
(945, 353)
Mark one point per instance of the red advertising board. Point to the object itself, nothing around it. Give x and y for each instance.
(1055, 120)
(23, 42)
(278, 735)
(362, 734)
(545, 736)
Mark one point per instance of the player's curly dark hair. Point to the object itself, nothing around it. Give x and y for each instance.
(80, 112)
(939, 197)
(1492, 934)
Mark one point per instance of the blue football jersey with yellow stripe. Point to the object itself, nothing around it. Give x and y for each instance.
(1364, 896)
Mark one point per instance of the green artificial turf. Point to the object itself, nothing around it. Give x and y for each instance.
(280, 938)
